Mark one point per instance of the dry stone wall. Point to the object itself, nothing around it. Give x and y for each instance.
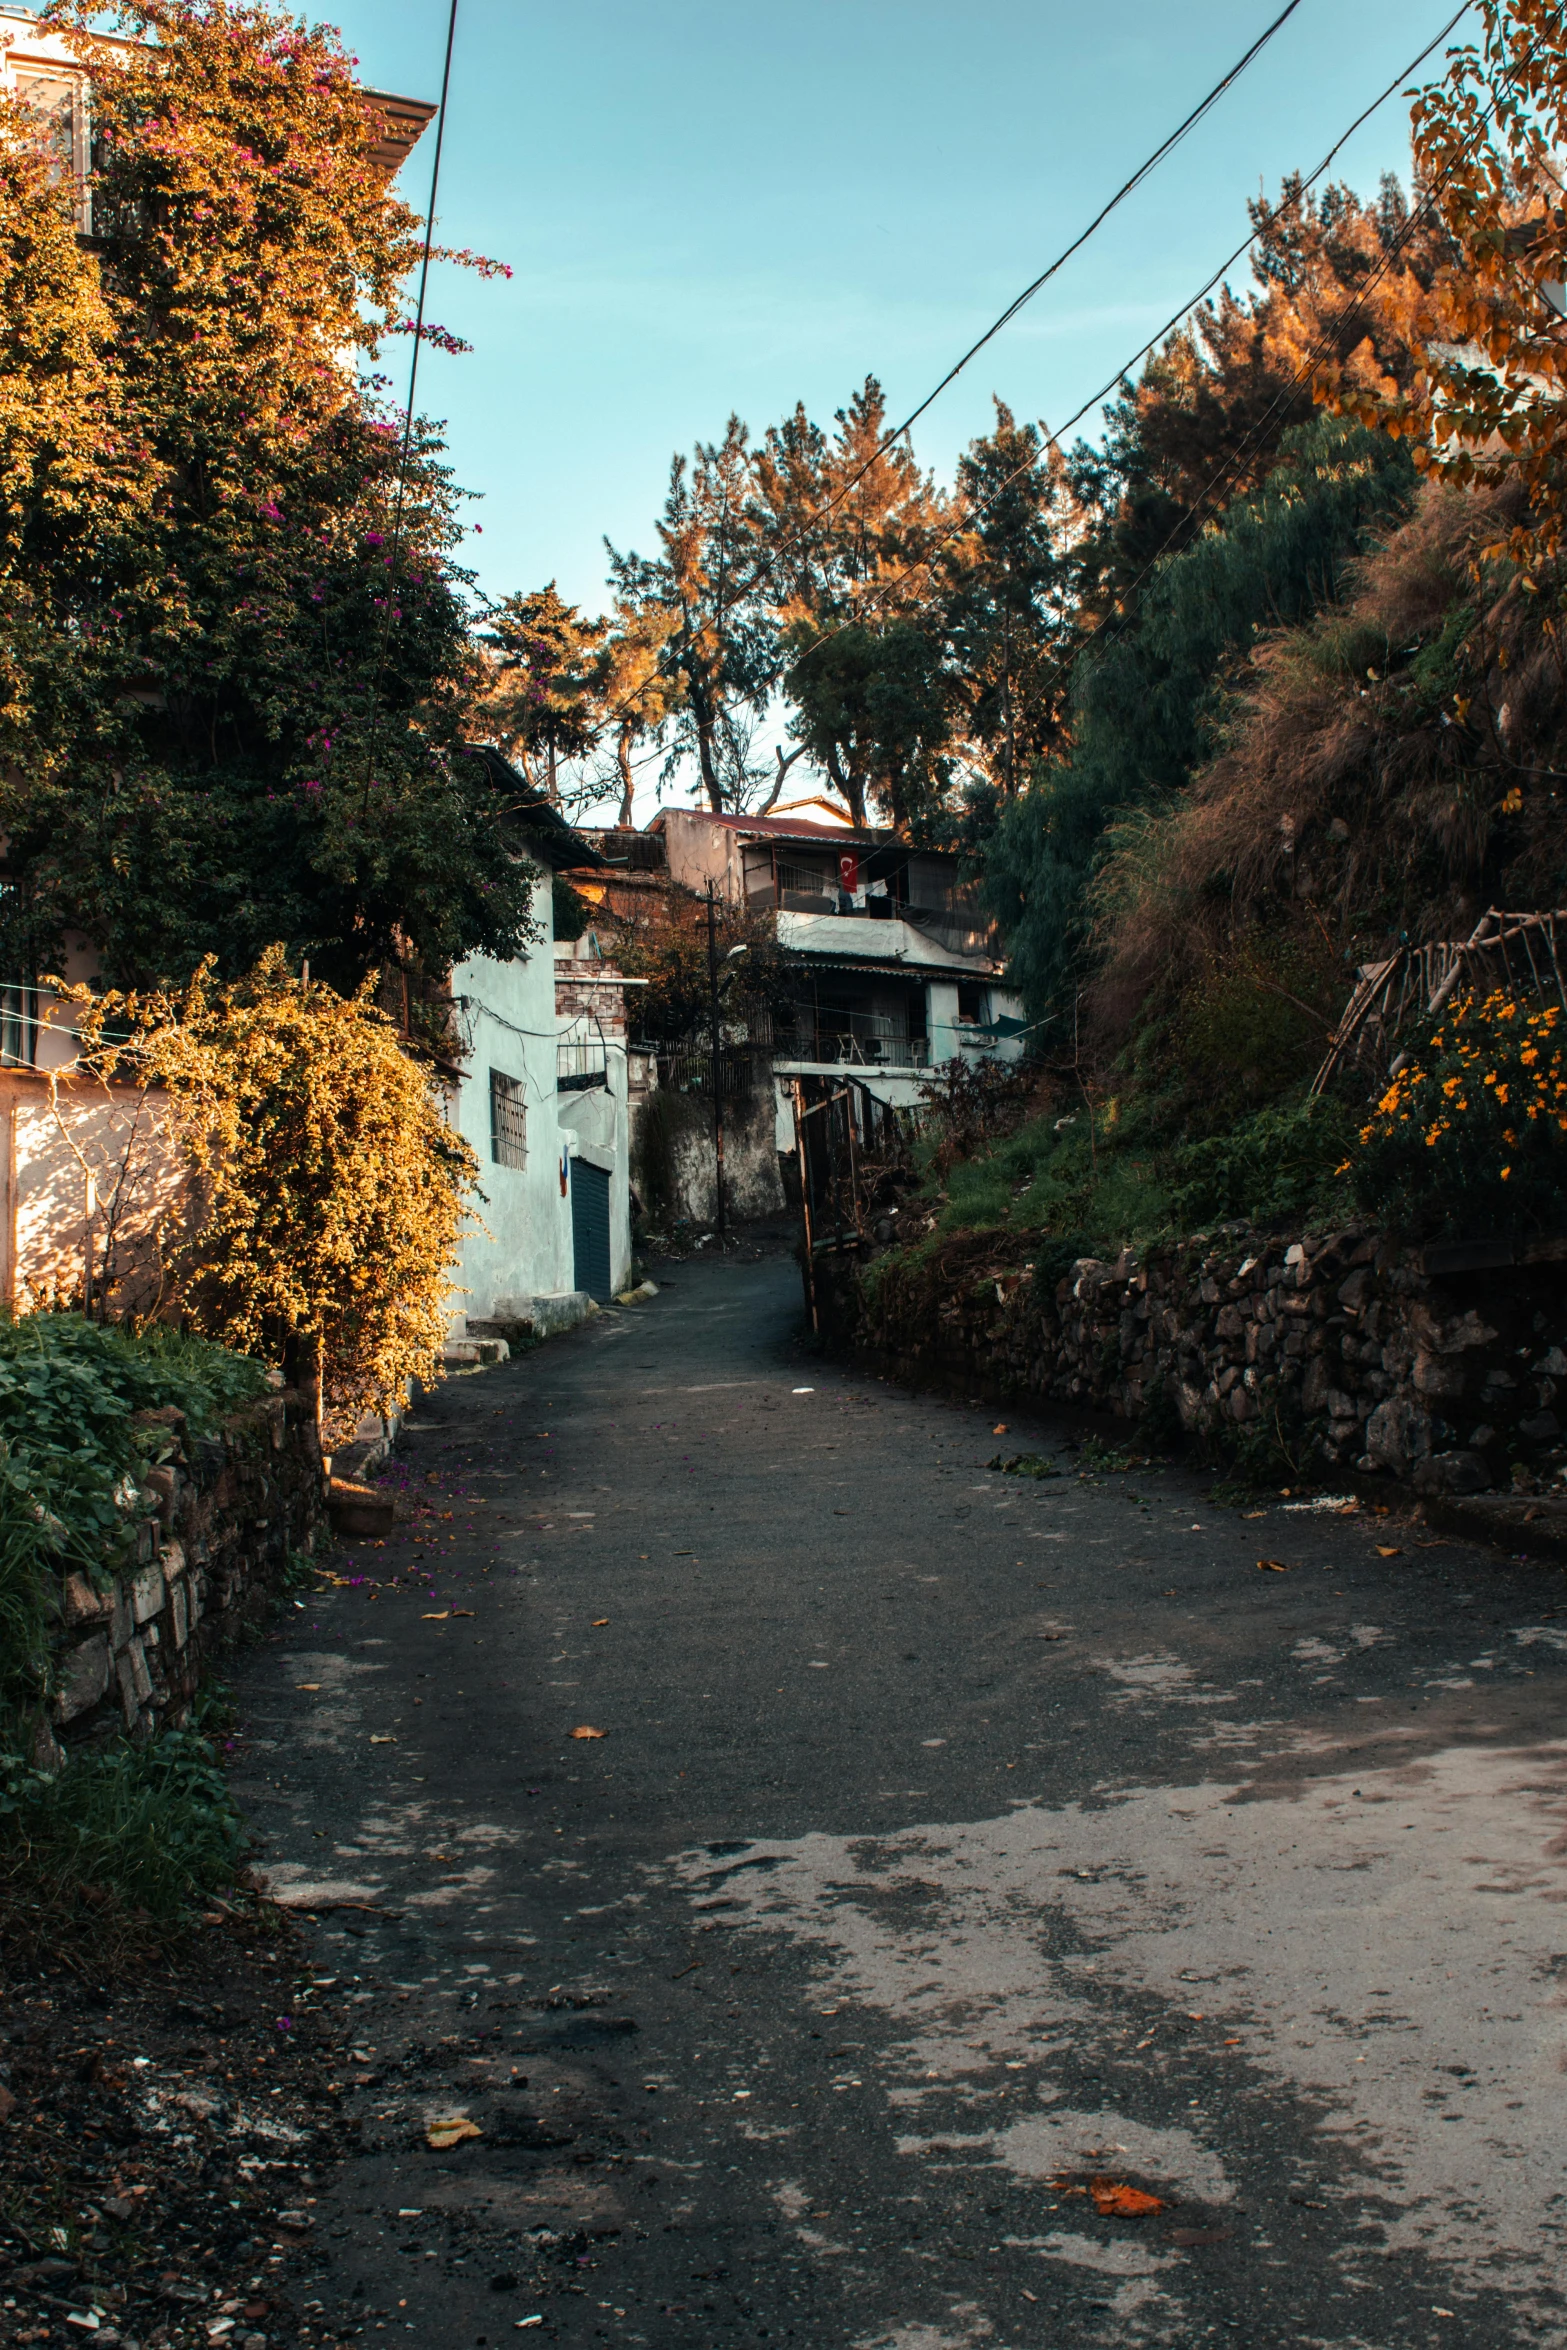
(1444, 1373)
(220, 1517)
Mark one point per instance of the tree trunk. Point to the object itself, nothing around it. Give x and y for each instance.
(703, 714)
(784, 766)
(624, 741)
(850, 788)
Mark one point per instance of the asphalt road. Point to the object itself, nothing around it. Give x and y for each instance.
(960, 1851)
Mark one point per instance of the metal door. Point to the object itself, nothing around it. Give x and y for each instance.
(590, 1227)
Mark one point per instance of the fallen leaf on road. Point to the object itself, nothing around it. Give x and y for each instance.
(462, 1611)
(451, 2131)
(310, 1686)
(1256, 1513)
(1112, 2200)
(583, 1731)
(1271, 1567)
(440, 1619)
(524, 2322)
(1388, 1550)
(1437, 2312)
(382, 1741)
(999, 1429)
(599, 1623)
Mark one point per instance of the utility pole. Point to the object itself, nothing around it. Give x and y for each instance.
(713, 1046)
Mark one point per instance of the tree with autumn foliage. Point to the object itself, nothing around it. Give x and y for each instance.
(849, 527)
(1488, 406)
(541, 706)
(706, 582)
(237, 710)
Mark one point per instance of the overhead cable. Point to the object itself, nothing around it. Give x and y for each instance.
(1127, 187)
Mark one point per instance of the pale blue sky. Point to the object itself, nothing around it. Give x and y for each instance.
(712, 207)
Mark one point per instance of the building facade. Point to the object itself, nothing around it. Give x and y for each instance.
(899, 971)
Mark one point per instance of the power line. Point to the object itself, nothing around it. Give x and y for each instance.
(1029, 291)
(379, 678)
(1244, 448)
(1318, 351)
(424, 278)
(1054, 438)
(1166, 147)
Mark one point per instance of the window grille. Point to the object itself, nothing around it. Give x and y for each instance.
(508, 1121)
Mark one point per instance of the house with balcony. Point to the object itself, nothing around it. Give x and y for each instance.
(899, 970)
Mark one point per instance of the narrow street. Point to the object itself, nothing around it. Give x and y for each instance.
(960, 1851)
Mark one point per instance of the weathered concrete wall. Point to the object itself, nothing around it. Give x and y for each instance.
(219, 1517)
(1343, 1347)
(672, 1159)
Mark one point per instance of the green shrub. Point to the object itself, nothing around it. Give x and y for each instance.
(154, 1828)
(69, 1391)
(1281, 1166)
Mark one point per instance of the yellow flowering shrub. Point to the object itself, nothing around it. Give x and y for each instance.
(331, 1189)
(1470, 1136)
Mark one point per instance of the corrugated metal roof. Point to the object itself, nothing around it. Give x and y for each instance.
(791, 828)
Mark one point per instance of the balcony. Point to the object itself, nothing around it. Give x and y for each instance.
(581, 1066)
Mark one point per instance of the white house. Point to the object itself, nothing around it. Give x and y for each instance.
(541, 1095)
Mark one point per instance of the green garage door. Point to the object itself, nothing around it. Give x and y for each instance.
(590, 1227)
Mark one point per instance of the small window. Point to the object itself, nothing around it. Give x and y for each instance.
(508, 1121)
(57, 102)
(971, 1000)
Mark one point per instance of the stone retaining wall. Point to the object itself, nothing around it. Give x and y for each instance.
(219, 1517)
(1344, 1349)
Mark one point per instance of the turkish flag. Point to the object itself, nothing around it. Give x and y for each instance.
(848, 871)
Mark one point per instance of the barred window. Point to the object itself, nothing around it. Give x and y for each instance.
(508, 1121)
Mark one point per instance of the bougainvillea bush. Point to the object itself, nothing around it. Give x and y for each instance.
(236, 666)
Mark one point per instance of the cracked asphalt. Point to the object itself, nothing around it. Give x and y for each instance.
(996, 1911)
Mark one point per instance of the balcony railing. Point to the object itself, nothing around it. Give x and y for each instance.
(872, 1052)
(582, 1066)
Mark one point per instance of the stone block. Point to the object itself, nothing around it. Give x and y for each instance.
(1398, 1434)
(1539, 1428)
(147, 1594)
(1468, 1331)
(1452, 1472)
(1353, 1293)
(84, 1677)
(82, 1604)
(180, 1614)
(135, 1680)
(172, 1560)
(123, 1618)
(1432, 1377)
